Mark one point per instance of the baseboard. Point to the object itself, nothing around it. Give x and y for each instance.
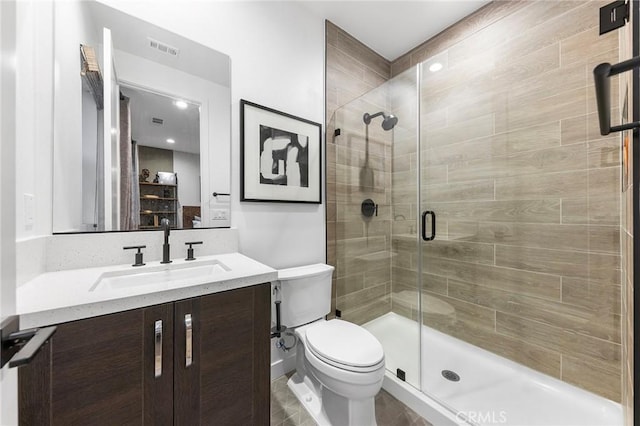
(280, 367)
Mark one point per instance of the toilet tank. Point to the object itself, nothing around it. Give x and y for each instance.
(305, 292)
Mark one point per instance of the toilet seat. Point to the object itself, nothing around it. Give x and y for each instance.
(345, 345)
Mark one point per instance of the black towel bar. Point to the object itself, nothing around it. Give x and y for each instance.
(601, 75)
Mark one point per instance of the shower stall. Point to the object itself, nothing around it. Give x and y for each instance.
(477, 227)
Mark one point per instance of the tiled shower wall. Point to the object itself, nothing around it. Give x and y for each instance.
(527, 259)
(358, 248)
(527, 191)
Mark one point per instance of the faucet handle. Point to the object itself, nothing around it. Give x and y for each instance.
(139, 254)
(190, 249)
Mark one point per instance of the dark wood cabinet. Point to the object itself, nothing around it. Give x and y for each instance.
(103, 370)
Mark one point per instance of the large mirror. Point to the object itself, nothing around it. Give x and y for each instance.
(141, 125)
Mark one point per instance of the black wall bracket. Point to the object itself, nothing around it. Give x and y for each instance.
(613, 16)
(601, 75)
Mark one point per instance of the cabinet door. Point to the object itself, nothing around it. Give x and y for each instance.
(97, 370)
(228, 380)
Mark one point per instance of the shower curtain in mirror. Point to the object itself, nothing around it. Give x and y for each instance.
(129, 200)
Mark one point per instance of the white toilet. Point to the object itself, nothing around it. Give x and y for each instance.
(339, 365)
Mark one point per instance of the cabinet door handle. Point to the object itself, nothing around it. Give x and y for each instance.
(158, 349)
(188, 350)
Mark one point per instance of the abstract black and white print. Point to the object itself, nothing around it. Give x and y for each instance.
(284, 158)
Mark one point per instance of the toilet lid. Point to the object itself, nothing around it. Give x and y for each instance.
(344, 343)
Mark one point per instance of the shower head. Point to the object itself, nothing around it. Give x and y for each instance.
(388, 121)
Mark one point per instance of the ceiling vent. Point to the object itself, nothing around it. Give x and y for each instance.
(163, 47)
(156, 120)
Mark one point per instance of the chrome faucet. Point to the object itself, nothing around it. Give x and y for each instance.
(165, 247)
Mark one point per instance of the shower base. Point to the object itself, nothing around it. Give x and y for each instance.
(491, 390)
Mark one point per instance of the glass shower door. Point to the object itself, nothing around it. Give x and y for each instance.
(373, 232)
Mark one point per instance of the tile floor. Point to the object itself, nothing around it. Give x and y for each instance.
(287, 411)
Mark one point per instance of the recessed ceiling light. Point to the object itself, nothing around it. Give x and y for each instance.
(181, 104)
(171, 140)
(435, 67)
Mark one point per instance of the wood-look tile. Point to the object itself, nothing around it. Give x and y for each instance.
(556, 339)
(527, 18)
(405, 279)
(552, 30)
(574, 130)
(601, 378)
(565, 81)
(533, 211)
(604, 239)
(540, 136)
(604, 268)
(454, 311)
(342, 80)
(464, 29)
(379, 275)
(475, 149)
(564, 158)
(591, 295)
(432, 175)
(535, 110)
(597, 209)
(517, 349)
(459, 250)
(349, 284)
(530, 67)
(604, 153)
(331, 33)
(362, 53)
(343, 62)
(399, 65)
(468, 191)
(354, 194)
(365, 296)
(604, 181)
(518, 281)
(602, 325)
(560, 262)
(373, 77)
(461, 131)
(585, 45)
(561, 237)
(366, 310)
(561, 185)
(401, 163)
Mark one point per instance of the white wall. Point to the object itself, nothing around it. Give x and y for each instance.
(67, 196)
(8, 378)
(277, 60)
(187, 166)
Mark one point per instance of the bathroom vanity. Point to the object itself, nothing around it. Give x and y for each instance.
(188, 351)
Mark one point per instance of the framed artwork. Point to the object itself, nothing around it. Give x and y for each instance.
(280, 156)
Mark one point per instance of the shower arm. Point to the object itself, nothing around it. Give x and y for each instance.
(601, 75)
(368, 117)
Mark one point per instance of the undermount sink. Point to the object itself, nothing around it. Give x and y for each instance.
(162, 275)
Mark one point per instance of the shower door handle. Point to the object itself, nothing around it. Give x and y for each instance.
(424, 225)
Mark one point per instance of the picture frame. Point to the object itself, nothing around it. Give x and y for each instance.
(280, 156)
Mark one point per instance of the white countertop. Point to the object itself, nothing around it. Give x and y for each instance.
(57, 297)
